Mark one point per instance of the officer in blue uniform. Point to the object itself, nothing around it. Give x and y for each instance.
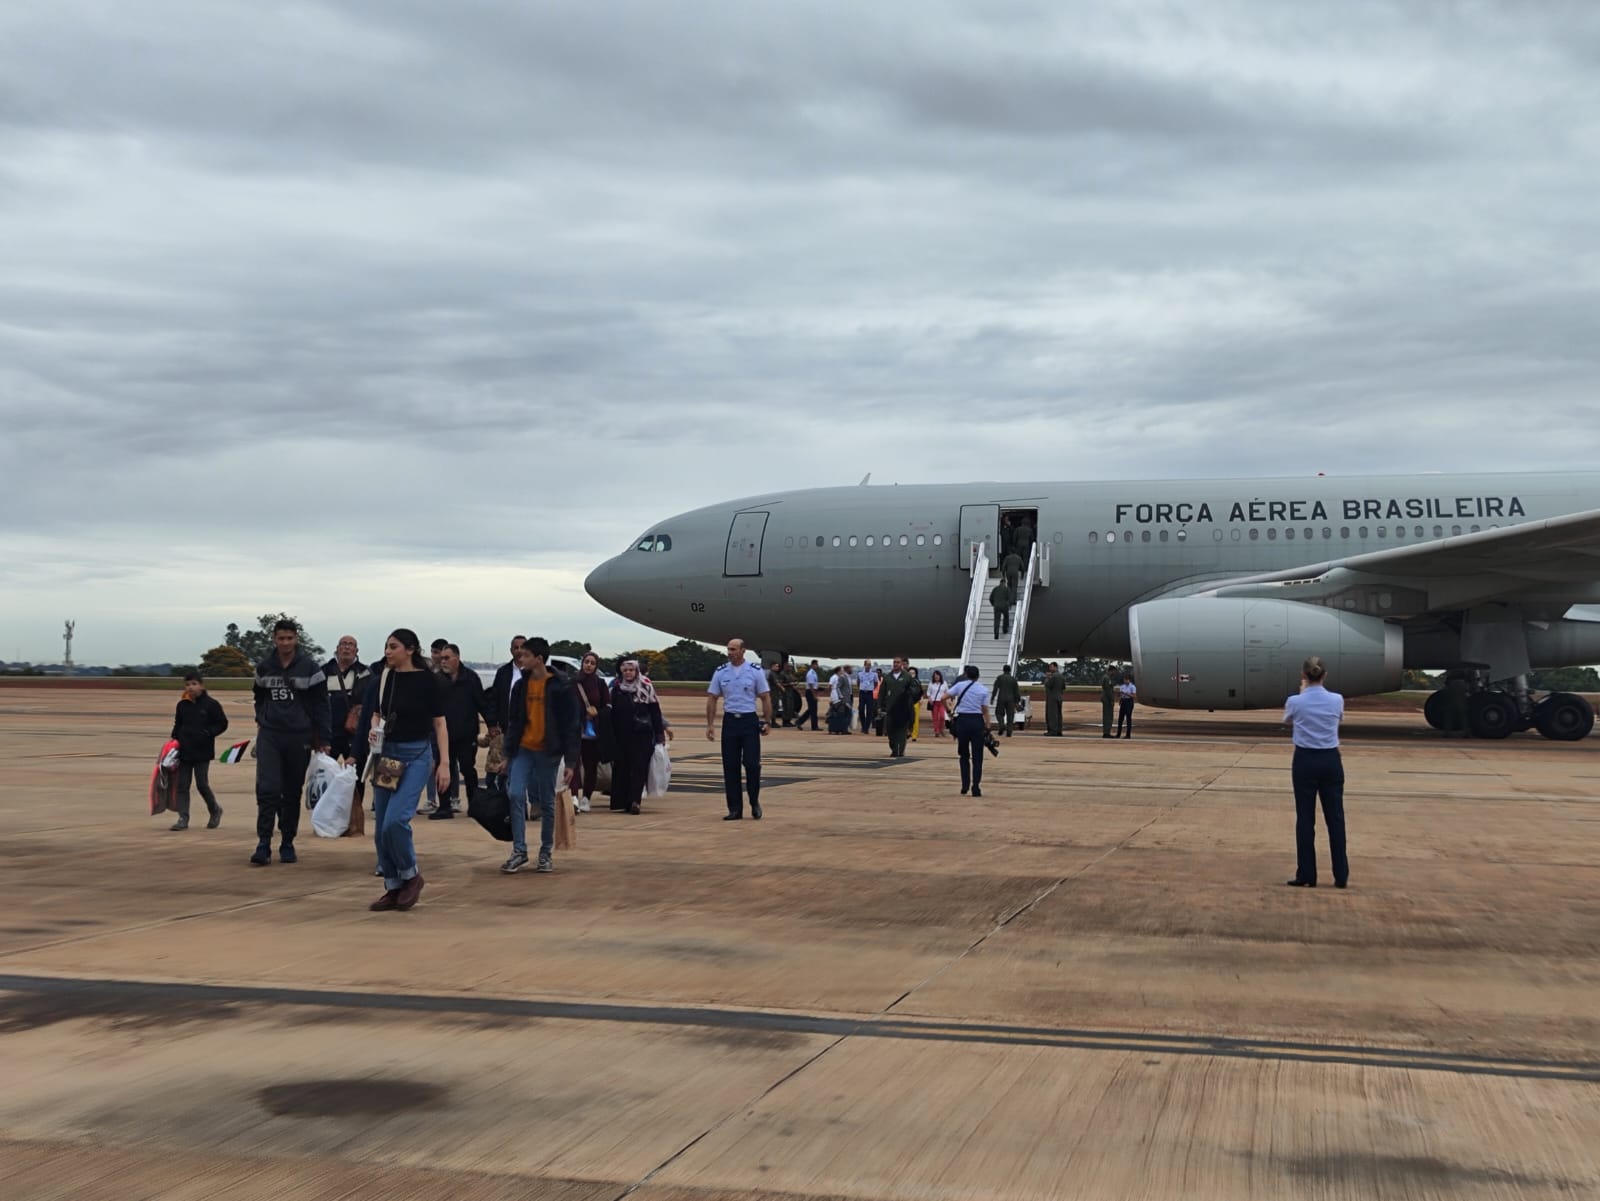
(742, 685)
(1314, 716)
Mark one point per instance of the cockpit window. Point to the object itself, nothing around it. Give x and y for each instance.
(648, 542)
(655, 542)
(663, 541)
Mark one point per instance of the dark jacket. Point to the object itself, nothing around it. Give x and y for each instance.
(500, 695)
(345, 691)
(1000, 597)
(293, 700)
(898, 695)
(1006, 691)
(626, 724)
(562, 725)
(592, 690)
(196, 726)
(1055, 686)
(464, 703)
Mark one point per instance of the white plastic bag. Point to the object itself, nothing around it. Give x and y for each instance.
(331, 817)
(319, 777)
(659, 776)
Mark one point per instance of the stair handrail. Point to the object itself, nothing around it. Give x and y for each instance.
(978, 558)
(1019, 619)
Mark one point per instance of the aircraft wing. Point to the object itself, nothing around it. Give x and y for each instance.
(1556, 560)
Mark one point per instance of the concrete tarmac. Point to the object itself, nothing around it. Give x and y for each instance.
(1090, 984)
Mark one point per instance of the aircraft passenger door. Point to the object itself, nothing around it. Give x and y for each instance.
(744, 544)
(979, 523)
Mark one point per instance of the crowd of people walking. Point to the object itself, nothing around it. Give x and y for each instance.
(412, 726)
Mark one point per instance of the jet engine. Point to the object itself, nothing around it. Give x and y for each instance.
(1237, 653)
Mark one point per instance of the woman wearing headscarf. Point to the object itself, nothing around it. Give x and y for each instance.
(405, 709)
(636, 729)
(596, 702)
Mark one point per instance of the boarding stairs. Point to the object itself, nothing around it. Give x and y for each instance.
(978, 643)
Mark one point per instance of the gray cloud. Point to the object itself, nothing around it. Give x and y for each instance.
(333, 275)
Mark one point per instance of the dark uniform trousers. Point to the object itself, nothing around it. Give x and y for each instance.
(969, 732)
(1005, 714)
(811, 711)
(868, 710)
(1318, 773)
(741, 745)
(1052, 716)
(281, 762)
(1106, 714)
(1125, 718)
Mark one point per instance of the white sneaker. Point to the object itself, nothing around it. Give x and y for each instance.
(582, 803)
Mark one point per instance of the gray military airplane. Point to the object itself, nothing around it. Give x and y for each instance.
(1215, 589)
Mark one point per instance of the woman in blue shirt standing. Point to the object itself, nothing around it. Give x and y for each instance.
(1314, 716)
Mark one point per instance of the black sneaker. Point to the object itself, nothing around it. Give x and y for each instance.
(546, 864)
(286, 853)
(181, 824)
(263, 855)
(439, 815)
(514, 864)
(216, 818)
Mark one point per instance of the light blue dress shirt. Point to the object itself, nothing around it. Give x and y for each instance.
(1314, 716)
(739, 686)
(970, 697)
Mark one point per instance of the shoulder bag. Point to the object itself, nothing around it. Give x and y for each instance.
(384, 770)
(352, 717)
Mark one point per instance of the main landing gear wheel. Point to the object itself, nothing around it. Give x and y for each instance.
(1493, 715)
(1433, 709)
(1564, 717)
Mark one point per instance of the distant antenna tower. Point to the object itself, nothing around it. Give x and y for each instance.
(66, 664)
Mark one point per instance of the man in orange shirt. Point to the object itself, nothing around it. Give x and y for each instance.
(542, 737)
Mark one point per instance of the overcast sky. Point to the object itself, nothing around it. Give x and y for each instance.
(397, 312)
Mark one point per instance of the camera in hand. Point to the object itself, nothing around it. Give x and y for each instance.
(990, 741)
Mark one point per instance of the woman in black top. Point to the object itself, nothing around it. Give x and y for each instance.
(596, 728)
(407, 714)
(637, 726)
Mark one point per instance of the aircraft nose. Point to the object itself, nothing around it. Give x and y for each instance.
(598, 585)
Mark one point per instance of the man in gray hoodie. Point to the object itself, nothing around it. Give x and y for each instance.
(292, 720)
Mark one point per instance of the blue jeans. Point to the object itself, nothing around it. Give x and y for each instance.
(533, 778)
(393, 809)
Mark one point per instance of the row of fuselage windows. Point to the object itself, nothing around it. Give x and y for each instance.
(886, 541)
(1290, 533)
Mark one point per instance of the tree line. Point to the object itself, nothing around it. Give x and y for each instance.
(242, 648)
